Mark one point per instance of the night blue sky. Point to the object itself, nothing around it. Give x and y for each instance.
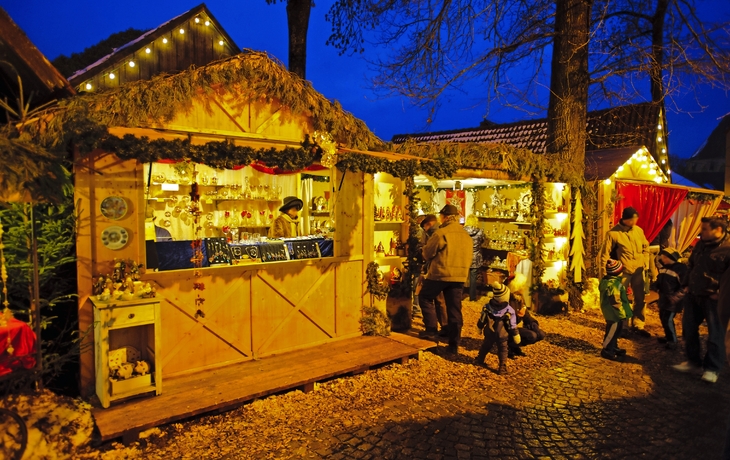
(70, 26)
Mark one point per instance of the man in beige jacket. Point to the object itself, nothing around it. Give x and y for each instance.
(448, 253)
(627, 243)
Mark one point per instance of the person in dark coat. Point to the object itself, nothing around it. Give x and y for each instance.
(706, 280)
(527, 326)
(477, 238)
(669, 286)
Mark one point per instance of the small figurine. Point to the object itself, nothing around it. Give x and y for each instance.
(125, 371)
(142, 368)
(99, 285)
(380, 250)
(396, 276)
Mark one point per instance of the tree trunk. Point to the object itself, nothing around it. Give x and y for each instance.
(297, 12)
(568, 105)
(657, 51)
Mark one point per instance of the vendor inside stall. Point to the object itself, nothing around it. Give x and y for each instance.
(287, 224)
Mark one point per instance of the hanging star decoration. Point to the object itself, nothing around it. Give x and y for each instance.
(328, 146)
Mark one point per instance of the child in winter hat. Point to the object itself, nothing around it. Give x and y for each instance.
(498, 321)
(615, 308)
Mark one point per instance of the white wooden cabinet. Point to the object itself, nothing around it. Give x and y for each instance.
(133, 323)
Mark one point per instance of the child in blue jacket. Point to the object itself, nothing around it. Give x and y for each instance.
(615, 308)
(498, 321)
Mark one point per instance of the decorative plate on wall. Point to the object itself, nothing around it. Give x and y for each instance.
(114, 237)
(114, 207)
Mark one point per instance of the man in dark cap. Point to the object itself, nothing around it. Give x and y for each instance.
(627, 243)
(287, 224)
(448, 254)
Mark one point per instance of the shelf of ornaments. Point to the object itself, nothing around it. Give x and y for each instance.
(509, 220)
(383, 260)
(389, 222)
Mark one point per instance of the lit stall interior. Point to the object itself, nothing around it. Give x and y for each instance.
(503, 210)
(239, 205)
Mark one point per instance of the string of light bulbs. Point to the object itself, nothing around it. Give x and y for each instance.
(148, 50)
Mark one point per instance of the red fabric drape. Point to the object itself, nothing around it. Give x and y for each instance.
(654, 203)
(261, 167)
(23, 341)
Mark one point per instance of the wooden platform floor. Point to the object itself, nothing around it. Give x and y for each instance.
(227, 387)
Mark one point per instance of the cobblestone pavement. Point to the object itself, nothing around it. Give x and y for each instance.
(560, 401)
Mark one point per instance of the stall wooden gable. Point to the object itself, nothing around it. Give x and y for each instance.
(249, 310)
(194, 38)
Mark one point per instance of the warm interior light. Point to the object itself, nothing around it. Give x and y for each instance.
(652, 172)
(197, 20)
(620, 168)
(164, 40)
(112, 76)
(170, 187)
(88, 86)
(658, 180)
(659, 127)
(131, 64)
(664, 150)
(669, 172)
(659, 138)
(182, 31)
(147, 50)
(643, 165)
(607, 181)
(664, 161)
(628, 162)
(221, 42)
(207, 23)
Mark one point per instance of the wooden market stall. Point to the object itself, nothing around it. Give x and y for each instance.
(192, 192)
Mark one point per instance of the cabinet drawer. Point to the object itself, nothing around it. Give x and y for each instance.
(129, 316)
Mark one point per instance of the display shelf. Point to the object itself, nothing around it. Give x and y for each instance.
(319, 213)
(509, 220)
(382, 260)
(389, 222)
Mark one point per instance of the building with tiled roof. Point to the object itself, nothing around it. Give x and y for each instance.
(194, 38)
(707, 165)
(614, 135)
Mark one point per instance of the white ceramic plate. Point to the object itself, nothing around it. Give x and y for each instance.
(114, 237)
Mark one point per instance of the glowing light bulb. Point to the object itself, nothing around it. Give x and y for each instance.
(131, 64)
(147, 50)
(197, 21)
(164, 40)
(643, 166)
(628, 162)
(88, 86)
(658, 180)
(607, 181)
(112, 76)
(664, 150)
(207, 23)
(221, 42)
(669, 172)
(659, 127)
(659, 138)
(664, 161)
(652, 172)
(182, 31)
(620, 168)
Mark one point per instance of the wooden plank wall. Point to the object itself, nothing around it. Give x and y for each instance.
(198, 46)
